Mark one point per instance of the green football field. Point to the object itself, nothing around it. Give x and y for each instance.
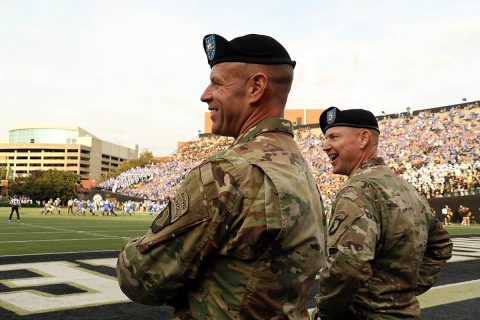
(37, 233)
(83, 251)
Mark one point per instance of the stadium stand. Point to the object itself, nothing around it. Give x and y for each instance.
(436, 150)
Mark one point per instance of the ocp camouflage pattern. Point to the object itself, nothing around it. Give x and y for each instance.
(385, 246)
(250, 242)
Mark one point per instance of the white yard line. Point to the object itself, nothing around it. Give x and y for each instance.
(80, 231)
(1, 234)
(94, 234)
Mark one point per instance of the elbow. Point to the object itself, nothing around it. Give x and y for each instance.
(132, 282)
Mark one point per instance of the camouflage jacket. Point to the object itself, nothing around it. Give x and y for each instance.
(385, 246)
(242, 239)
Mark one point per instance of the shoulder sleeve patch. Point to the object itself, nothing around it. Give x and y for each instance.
(336, 222)
(163, 219)
(176, 208)
(182, 213)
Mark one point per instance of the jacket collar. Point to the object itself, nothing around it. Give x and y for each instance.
(268, 125)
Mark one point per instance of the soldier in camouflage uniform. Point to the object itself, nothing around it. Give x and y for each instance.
(385, 245)
(243, 237)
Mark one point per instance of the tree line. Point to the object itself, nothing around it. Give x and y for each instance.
(52, 184)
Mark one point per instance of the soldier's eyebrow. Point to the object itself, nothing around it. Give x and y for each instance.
(331, 134)
(214, 78)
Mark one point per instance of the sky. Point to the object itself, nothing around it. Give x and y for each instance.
(132, 72)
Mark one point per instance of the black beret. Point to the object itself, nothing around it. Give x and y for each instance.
(252, 48)
(358, 118)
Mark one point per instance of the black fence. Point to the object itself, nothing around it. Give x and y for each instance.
(470, 201)
(105, 194)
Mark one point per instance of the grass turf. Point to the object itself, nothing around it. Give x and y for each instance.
(36, 234)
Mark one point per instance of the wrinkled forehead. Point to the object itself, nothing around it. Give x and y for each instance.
(342, 130)
(229, 69)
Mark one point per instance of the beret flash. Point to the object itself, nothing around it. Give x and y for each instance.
(251, 48)
(358, 118)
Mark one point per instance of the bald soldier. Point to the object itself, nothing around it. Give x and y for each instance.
(385, 245)
(243, 237)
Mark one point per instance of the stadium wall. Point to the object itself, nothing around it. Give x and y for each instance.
(108, 195)
(470, 201)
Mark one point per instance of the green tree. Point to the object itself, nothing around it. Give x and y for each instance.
(51, 184)
(3, 171)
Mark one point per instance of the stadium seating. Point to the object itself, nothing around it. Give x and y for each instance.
(437, 152)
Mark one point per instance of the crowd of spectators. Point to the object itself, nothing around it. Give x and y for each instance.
(438, 153)
(159, 182)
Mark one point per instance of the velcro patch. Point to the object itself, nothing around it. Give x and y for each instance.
(176, 208)
(179, 205)
(163, 219)
(335, 224)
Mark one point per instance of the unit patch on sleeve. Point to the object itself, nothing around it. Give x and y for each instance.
(335, 224)
(163, 219)
(176, 208)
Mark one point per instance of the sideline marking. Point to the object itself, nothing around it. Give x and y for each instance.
(100, 289)
(465, 249)
(56, 253)
(107, 262)
(450, 293)
(442, 295)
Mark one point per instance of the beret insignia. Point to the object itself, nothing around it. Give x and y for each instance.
(331, 116)
(210, 46)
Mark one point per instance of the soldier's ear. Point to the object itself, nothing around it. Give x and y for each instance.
(257, 85)
(365, 137)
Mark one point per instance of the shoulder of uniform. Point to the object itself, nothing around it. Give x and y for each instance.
(359, 191)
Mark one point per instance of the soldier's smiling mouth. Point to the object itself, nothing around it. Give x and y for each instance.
(333, 156)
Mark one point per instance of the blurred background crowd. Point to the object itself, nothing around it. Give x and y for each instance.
(438, 153)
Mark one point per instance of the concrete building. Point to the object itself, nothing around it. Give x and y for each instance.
(296, 116)
(66, 148)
